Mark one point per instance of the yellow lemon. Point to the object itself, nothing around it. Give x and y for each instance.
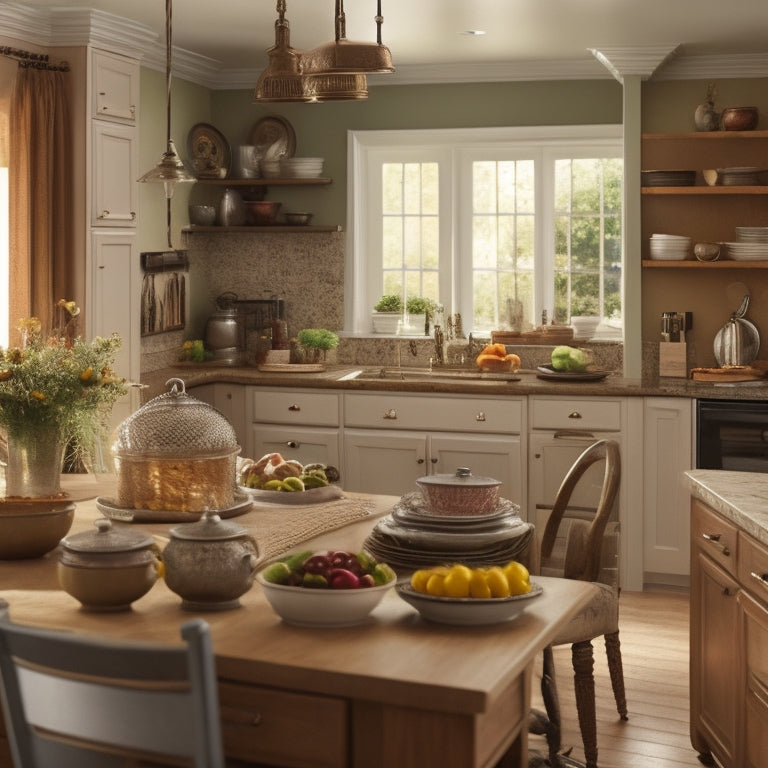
(456, 582)
(478, 585)
(435, 585)
(419, 580)
(497, 582)
(518, 578)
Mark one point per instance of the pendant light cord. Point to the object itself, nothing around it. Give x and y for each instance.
(168, 44)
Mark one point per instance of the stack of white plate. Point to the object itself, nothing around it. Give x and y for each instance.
(670, 247)
(747, 251)
(752, 234)
(301, 167)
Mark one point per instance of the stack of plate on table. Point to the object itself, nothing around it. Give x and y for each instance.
(414, 536)
(670, 247)
(740, 251)
(668, 178)
(738, 177)
(301, 167)
(752, 234)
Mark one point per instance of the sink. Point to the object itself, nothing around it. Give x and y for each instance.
(426, 374)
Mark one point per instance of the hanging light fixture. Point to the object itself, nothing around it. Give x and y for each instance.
(170, 170)
(283, 79)
(346, 56)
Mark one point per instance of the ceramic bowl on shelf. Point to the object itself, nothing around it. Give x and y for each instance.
(740, 118)
(202, 215)
(297, 219)
(262, 212)
(707, 251)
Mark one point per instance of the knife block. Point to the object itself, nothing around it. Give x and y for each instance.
(673, 359)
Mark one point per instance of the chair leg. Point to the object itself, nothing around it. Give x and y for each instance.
(584, 684)
(616, 670)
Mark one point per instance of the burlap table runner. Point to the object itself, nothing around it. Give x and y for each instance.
(278, 529)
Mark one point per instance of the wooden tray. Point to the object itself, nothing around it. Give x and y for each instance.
(731, 373)
(546, 334)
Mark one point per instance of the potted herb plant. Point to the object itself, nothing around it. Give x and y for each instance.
(314, 343)
(419, 312)
(387, 314)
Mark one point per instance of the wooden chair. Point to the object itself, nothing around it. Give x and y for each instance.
(580, 543)
(72, 701)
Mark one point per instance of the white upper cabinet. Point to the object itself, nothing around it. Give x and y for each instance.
(115, 168)
(115, 84)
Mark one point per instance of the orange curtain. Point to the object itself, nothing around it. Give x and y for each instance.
(42, 260)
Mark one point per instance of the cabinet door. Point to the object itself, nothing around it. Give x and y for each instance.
(715, 688)
(754, 626)
(115, 84)
(113, 307)
(666, 498)
(229, 400)
(115, 169)
(304, 444)
(380, 461)
(499, 457)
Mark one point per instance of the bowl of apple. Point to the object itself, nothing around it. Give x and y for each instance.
(329, 588)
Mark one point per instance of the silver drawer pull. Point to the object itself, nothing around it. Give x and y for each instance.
(294, 407)
(761, 577)
(480, 416)
(390, 414)
(714, 538)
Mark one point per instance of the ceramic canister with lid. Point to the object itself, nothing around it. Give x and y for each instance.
(210, 564)
(108, 568)
(461, 493)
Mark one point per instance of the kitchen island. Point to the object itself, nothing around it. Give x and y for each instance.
(729, 617)
(395, 690)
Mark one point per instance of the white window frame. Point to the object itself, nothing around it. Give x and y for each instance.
(457, 148)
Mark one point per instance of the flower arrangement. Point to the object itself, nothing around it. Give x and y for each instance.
(59, 381)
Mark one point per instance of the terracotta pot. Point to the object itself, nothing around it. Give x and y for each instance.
(740, 118)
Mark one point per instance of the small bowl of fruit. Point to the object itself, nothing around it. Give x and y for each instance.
(330, 588)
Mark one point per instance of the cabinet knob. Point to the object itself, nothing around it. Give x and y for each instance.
(480, 416)
(419, 461)
(574, 415)
(294, 407)
(390, 414)
(434, 461)
(292, 443)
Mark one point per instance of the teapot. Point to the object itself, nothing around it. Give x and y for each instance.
(211, 563)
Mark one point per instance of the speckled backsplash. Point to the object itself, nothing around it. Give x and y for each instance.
(306, 269)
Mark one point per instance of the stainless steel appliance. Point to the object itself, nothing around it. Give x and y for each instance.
(732, 434)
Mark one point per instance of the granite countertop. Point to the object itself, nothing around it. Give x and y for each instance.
(738, 496)
(527, 384)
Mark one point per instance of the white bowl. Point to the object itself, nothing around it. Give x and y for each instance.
(469, 611)
(308, 607)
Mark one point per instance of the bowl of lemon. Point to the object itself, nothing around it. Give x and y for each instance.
(460, 594)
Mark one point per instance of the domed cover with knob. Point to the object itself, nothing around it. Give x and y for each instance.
(176, 453)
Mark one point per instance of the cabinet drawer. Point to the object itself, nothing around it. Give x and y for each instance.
(753, 566)
(455, 414)
(714, 536)
(575, 413)
(295, 407)
(281, 728)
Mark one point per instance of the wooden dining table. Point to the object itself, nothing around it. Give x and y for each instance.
(395, 690)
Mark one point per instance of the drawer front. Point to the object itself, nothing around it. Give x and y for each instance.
(575, 413)
(307, 445)
(262, 725)
(753, 566)
(295, 407)
(714, 536)
(453, 414)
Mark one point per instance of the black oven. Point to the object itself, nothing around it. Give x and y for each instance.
(732, 434)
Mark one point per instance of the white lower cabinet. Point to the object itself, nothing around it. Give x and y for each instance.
(304, 444)
(667, 454)
(390, 462)
(392, 439)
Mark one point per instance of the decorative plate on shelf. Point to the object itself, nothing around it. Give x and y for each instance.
(209, 152)
(548, 373)
(467, 611)
(274, 137)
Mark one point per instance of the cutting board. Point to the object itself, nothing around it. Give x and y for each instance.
(729, 374)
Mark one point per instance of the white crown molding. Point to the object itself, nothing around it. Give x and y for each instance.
(59, 27)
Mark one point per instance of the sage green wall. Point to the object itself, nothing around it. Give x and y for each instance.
(321, 129)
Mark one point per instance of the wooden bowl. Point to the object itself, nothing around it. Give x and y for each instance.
(32, 527)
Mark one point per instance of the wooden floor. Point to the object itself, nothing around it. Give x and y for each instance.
(653, 629)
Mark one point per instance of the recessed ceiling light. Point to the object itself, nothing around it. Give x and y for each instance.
(473, 32)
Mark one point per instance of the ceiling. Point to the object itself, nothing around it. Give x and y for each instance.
(524, 39)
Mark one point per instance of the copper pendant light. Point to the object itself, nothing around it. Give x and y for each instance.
(338, 87)
(345, 56)
(283, 78)
(171, 169)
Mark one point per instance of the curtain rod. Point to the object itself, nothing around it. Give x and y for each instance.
(33, 60)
